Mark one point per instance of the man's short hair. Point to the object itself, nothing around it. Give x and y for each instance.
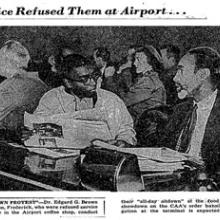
(103, 53)
(16, 53)
(206, 57)
(172, 50)
(73, 61)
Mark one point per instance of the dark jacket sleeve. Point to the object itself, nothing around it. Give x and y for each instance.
(169, 136)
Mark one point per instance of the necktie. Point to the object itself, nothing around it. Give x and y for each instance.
(187, 131)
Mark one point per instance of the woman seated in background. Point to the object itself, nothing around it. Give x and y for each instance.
(148, 91)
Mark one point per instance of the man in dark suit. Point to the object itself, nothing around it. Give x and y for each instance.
(194, 128)
(108, 79)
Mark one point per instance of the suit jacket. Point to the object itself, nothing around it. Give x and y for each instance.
(17, 95)
(109, 79)
(210, 148)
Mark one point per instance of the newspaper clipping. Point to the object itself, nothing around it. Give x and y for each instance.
(109, 109)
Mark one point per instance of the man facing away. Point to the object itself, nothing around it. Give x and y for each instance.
(194, 127)
(21, 90)
(80, 94)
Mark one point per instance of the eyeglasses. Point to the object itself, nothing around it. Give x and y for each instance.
(85, 78)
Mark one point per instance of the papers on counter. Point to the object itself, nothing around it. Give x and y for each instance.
(76, 133)
(154, 159)
(157, 154)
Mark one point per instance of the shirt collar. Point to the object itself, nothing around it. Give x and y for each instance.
(103, 68)
(208, 102)
(94, 98)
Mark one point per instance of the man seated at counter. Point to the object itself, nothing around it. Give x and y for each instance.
(20, 91)
(194, 128)
(80, 93)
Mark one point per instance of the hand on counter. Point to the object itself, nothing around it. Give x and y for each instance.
(25, 133)
(119, 143)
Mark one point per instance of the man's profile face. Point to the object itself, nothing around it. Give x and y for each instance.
(186, 79)
(141, 62)
(168, 59)
(81, 79)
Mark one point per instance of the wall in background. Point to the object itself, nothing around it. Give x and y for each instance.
(46, 40)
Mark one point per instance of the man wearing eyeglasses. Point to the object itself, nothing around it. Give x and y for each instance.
(79, 93)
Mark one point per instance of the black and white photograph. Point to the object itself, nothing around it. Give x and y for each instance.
(110, 108)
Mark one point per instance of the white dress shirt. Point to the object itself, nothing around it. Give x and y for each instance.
(108, 108)
(99, 81)
(203, 112)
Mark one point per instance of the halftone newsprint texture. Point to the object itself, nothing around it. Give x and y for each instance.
(109, 110)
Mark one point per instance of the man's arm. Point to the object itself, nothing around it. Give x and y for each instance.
(9, 98)
(147, 90)
(49, 104)
(126, 131)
